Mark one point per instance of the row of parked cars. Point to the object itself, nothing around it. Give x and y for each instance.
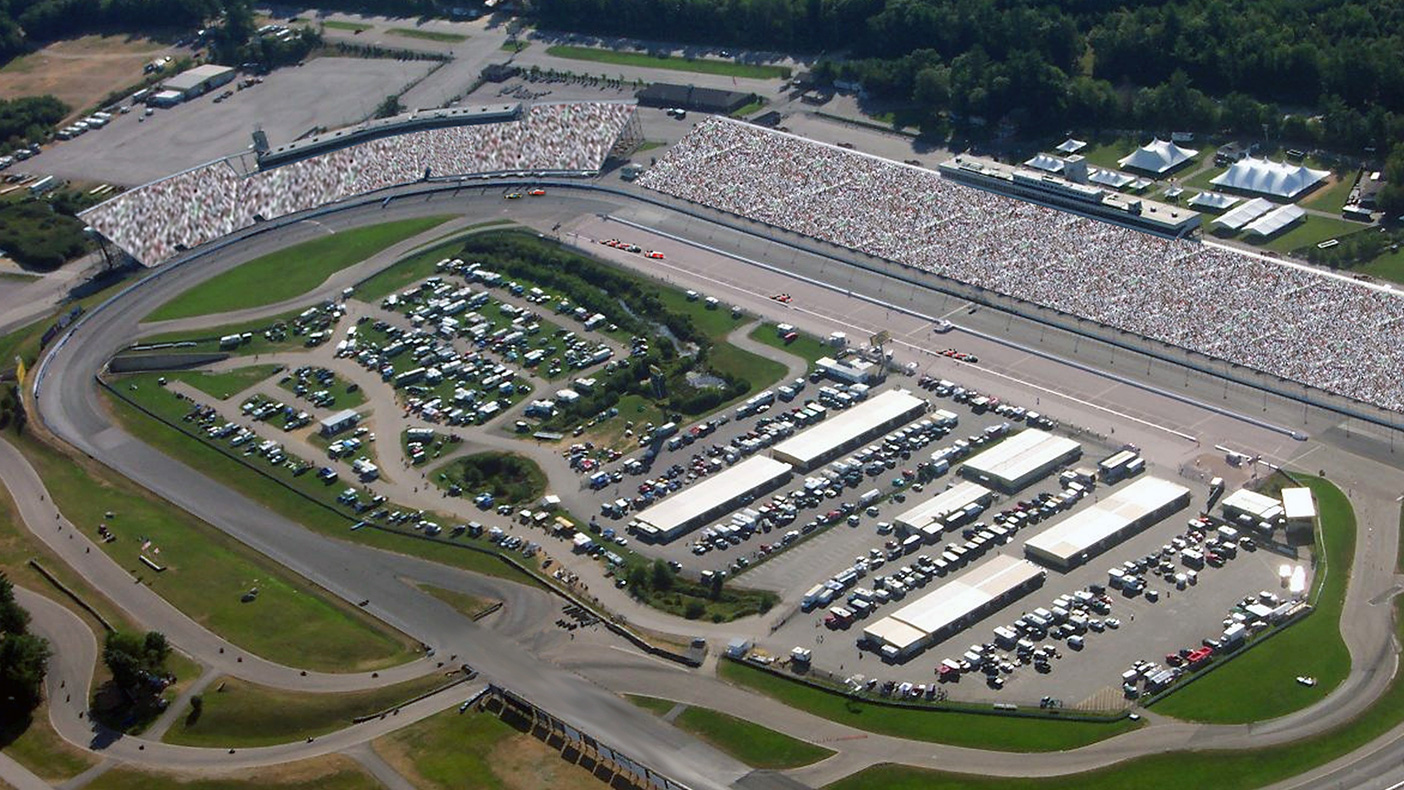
(1068, 618)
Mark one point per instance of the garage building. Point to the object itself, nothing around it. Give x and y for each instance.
(692, 507)
(199, 80)
(929, 519)
(1088, 533)
(343, 420)
(846, 430)
(953, 607)
(1021, 459)
(1259, 507)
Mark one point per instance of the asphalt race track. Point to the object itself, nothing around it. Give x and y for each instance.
(1167, 401)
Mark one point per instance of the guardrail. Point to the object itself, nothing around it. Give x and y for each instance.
(576, 736)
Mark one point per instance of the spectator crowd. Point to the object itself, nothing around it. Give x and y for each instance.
(1327, 332)
(155, 221)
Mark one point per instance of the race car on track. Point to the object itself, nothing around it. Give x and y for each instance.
(654, 254)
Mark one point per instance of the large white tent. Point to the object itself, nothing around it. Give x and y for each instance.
(1269, 178)
(1157, 156)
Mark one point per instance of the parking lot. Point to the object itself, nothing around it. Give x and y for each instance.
(1084, 665)
(135, 148)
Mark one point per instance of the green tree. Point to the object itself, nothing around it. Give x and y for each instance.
(662, 576)
(1390, 198)
(135, 658)
(13, 618)
(24, 658)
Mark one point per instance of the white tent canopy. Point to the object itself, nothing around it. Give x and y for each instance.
(1157, 156)
(1269, 178)
(1071, 146)
(1109, 178)
(1045, 162)
(1275, 220)
(1216, 200)
(1245, 213)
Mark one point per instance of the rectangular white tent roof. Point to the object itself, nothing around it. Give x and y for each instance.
(954, 600)
(867, 417)
(1245, 213)
(1275, 220)
(1121, 512)
(928, 515)
(677, 511)
(1071, 146)
(1020, 455)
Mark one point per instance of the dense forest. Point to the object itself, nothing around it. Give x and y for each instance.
(1184, 64)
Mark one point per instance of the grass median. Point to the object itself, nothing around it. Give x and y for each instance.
(806, 347)
(290, 272)
(1260, 683)
(429, 35)
(936, 725)
(332, 772)
(1242, 769)
(207, 574)
(726, 68)
(224, 385)
(418, 265)
(752, 744)
(236, 713)
(452, 750)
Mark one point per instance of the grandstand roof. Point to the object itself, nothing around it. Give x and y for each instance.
(1157, 156)
(1045, 162)
(1269, 178)
(1213, 200)
(1245, 213)
(1276, 220)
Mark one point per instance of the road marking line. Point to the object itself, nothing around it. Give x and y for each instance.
(637, 654)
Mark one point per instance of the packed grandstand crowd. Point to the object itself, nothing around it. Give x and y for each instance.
(159, 219)
(1330, 333)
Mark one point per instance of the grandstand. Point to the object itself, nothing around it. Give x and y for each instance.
(1248, 310)
(158, 220)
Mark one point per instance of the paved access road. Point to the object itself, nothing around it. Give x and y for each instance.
(68, 405)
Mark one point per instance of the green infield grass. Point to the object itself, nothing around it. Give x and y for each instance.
(290, 272)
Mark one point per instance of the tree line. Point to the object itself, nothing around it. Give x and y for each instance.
(24, 659)
(1205, 64)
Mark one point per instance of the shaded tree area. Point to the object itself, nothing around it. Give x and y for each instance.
(24, 659)
(26, 23)
(138, 666)
(1182, 64)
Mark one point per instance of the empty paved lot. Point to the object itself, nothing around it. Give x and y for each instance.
(326, 92)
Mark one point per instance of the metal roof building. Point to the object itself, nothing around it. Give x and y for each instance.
(1021, 459)
(1089, 532)
(691, 507)
(953, 606)
(846, 430)
(929, 518)
(1250, 503)
(193, 82)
